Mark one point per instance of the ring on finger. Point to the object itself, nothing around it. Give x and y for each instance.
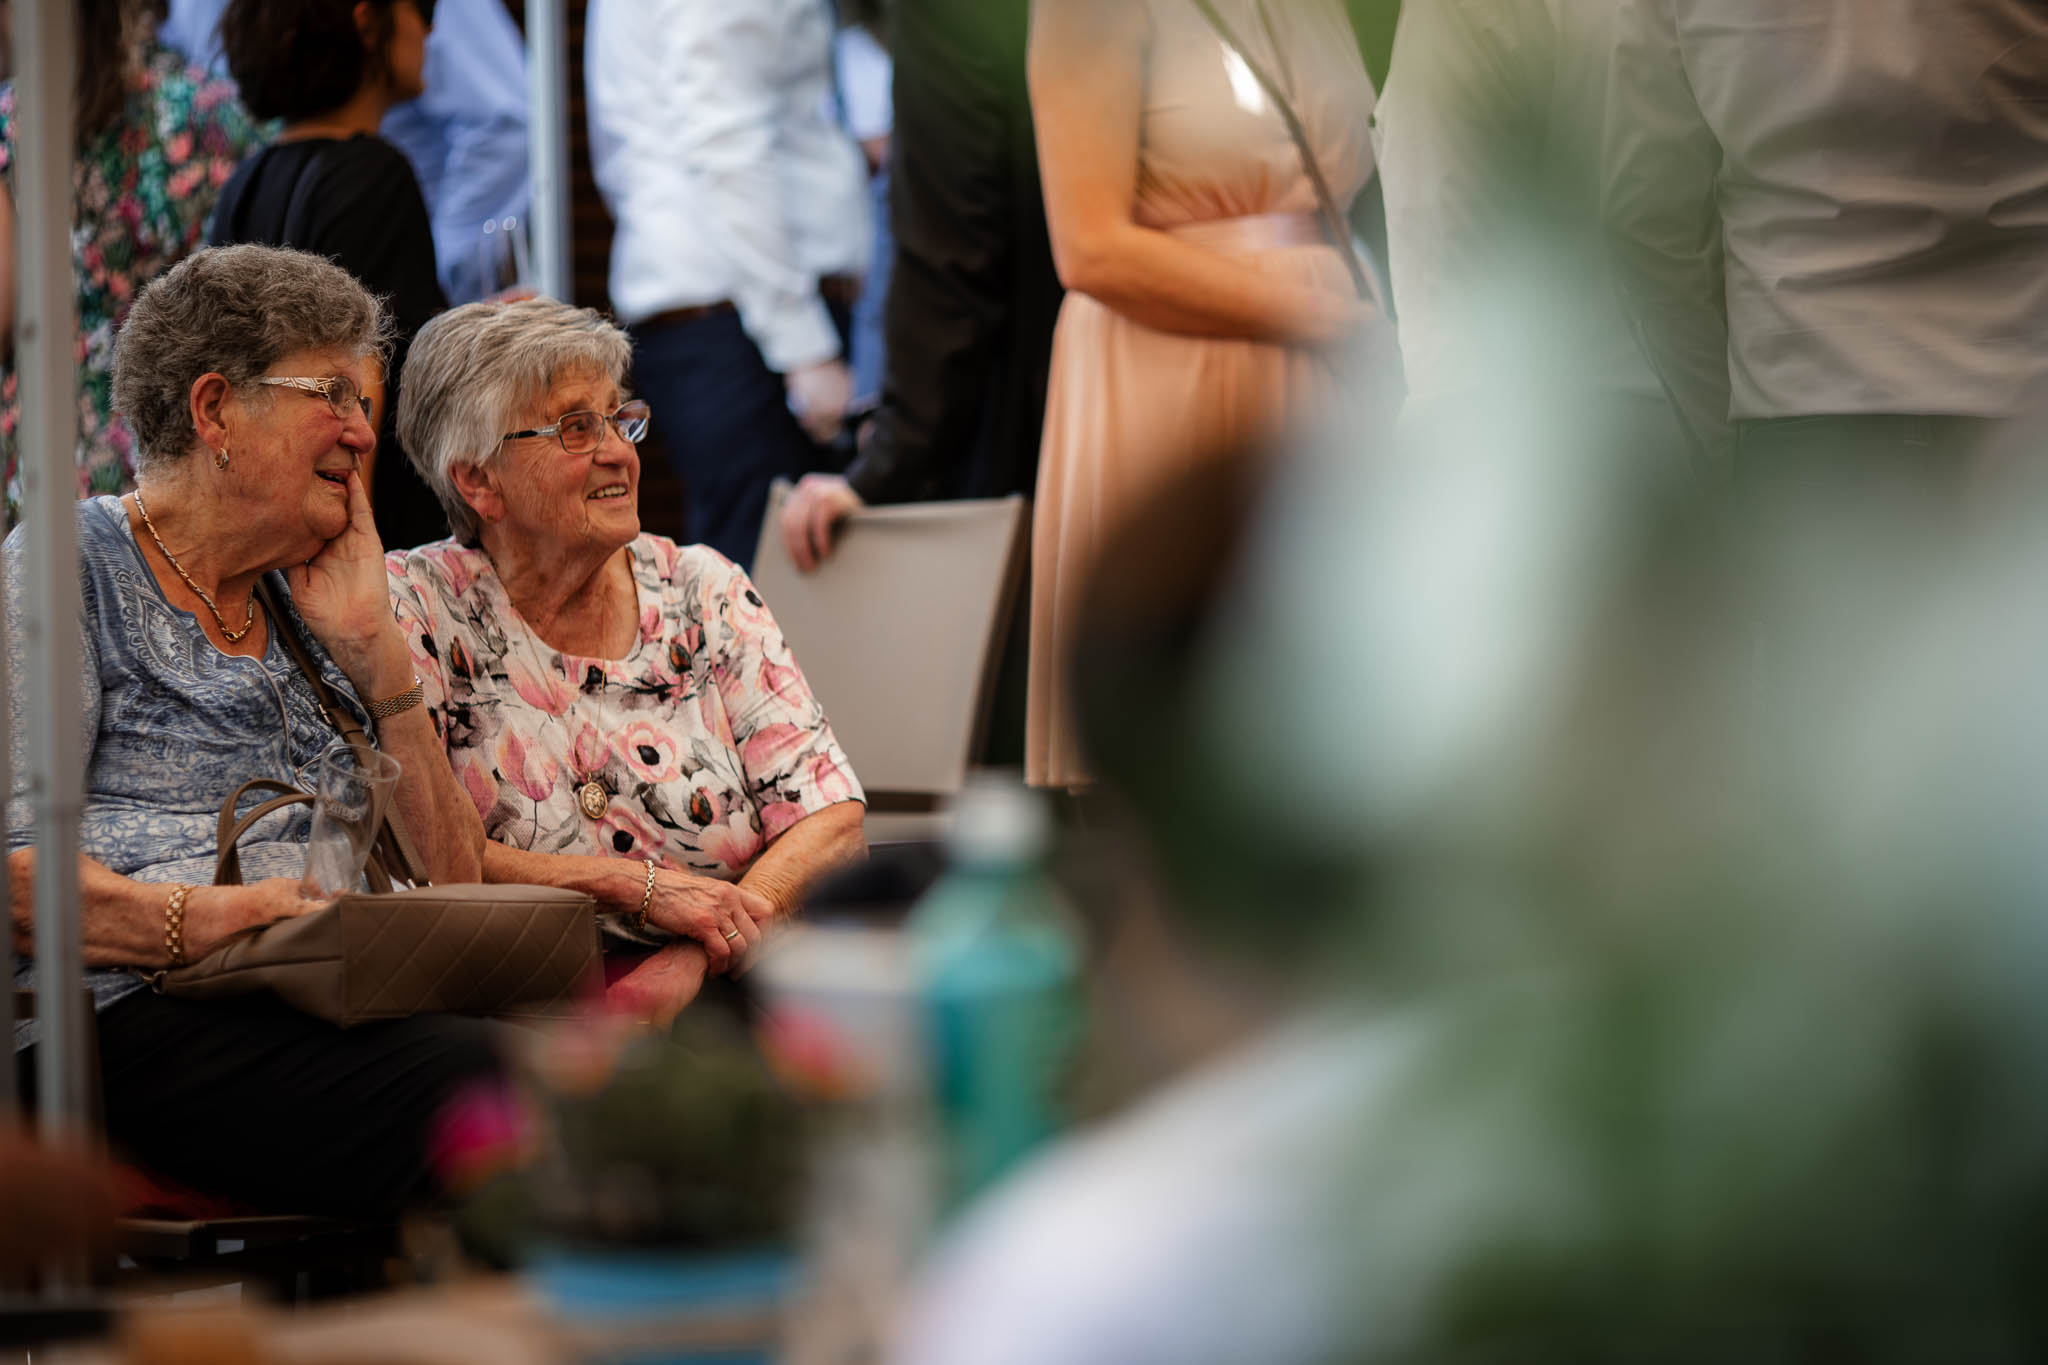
(731, 934)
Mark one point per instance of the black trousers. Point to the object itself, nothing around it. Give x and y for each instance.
(253, 1101)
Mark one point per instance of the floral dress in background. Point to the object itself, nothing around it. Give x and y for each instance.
(144, 191)
(696, 750)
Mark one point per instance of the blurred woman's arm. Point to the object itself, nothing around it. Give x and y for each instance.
(1087, 73)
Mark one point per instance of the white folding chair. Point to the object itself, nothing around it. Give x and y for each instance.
(899, 634)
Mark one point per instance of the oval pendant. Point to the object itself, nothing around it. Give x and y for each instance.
(593, 800)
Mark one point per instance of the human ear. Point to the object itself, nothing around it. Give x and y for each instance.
(478, 487)
(212, 403)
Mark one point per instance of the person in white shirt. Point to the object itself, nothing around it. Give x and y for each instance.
(1834, 215)
(743, 224)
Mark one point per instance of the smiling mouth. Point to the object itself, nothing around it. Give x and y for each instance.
(610, 492)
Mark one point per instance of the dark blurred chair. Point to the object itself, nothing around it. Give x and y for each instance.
(169, 1229)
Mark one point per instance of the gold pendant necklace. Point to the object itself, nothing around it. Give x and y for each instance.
(593, 800)
(231, 635)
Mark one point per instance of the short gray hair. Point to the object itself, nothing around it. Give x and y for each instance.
(233, 311)
(472, 369)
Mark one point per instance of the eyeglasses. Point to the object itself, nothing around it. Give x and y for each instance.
(339, 390)
(582, 432)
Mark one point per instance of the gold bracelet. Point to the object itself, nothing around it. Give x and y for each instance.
(404, 701)
(646, 897)
(174, 924)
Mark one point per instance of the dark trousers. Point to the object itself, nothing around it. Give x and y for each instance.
(722, 419)
(253, 1101)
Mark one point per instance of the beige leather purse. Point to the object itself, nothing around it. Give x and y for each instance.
(387, 954)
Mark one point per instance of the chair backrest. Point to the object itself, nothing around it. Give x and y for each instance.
(899, 631)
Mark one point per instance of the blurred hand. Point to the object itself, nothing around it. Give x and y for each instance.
(655, 991)
(1334, 319)
(818, 395)
(706, 909)
(813, 512)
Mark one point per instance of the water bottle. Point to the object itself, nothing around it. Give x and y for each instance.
(996, 957)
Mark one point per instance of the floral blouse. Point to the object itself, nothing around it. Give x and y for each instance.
(143, 192)
(704, 743)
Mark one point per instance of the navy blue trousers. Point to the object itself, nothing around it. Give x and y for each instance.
(722, 419)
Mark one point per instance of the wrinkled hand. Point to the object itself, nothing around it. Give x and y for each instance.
(215, 914)
(813, 512)
(819, 395)
(705, 909)
(341, 591)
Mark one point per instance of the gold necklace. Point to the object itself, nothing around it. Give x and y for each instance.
(231, 635)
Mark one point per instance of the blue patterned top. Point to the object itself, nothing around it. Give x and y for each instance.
(171, 726)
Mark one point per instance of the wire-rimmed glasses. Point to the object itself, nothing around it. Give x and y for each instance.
(339, 390)
(582, 432)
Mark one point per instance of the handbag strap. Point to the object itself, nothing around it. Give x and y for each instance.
(394, 847)
(1334, 224)
(227, 865)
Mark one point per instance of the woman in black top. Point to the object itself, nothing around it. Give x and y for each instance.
(331, 185)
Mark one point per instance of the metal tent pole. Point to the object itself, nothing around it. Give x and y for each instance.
(547, 85)
(45, 350)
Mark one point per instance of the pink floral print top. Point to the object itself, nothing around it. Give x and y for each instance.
(705, 742)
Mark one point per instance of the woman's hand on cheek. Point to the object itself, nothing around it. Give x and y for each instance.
(341, 591)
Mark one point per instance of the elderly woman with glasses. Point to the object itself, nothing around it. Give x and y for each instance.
(621, 710)
(241, 371)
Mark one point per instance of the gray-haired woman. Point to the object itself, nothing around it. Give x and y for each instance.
(621, 710)
(242, 371)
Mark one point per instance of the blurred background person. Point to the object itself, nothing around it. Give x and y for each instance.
(972, 292)
(156, 141)
(466, 138)
(1488, 132)
(1834, 218)
(743, 228)
(1202, 286)
(331, 185)
(622, 710)
(465, 134)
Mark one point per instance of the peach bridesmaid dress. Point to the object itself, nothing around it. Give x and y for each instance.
(1127, 405)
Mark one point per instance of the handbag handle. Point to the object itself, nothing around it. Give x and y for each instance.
(1334, 225)
(227, 865)
(393, 846)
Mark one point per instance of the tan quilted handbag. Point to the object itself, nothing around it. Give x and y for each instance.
(388, 954)
(384, 954)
